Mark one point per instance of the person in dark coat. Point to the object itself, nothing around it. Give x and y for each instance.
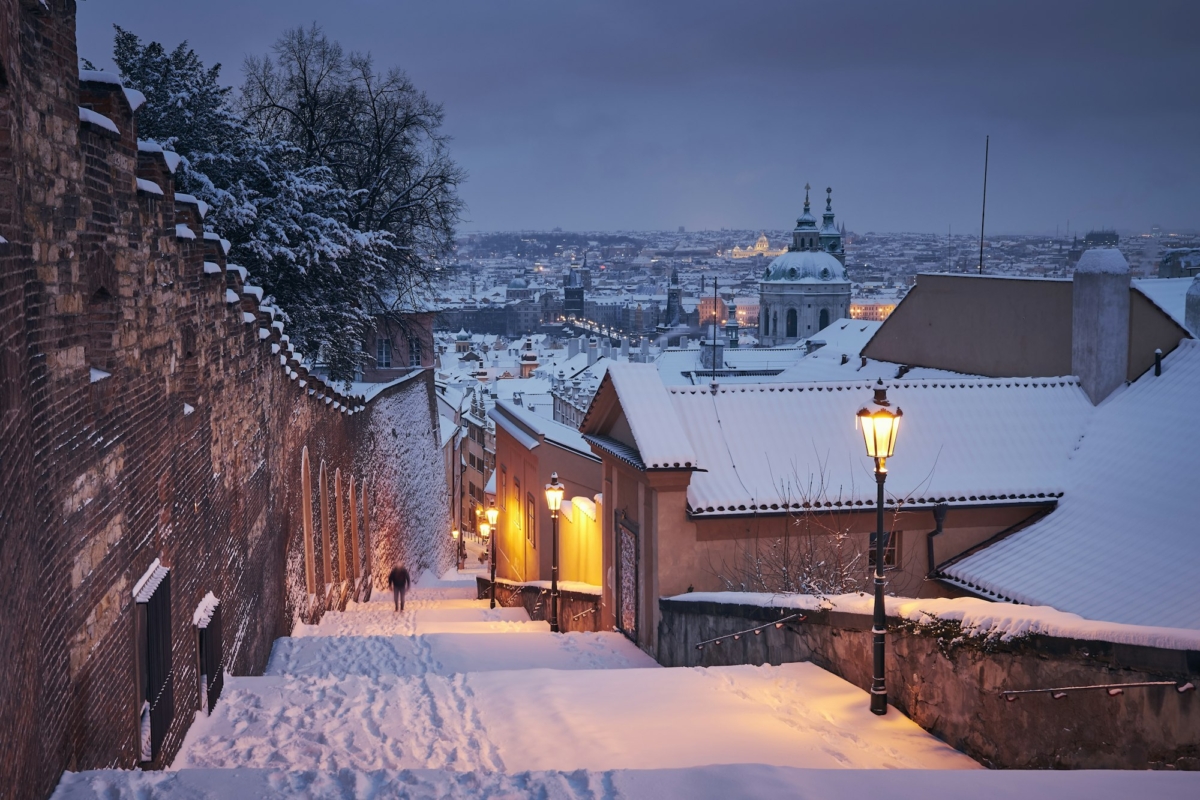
(398, 579)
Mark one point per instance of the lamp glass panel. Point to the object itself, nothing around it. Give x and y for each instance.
(492, 514)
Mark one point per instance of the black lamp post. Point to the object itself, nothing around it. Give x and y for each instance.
(492, 515)
(879, 426)
(554, 495)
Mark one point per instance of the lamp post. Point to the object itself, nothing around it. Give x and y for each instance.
(458, 548)
(554, 495)
(879, 422)
(493, 514)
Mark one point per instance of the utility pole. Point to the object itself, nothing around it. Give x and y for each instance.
(986, 145)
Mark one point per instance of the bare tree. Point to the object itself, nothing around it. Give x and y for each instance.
(379, 136)
(816, 553)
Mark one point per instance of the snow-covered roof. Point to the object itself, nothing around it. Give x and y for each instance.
(1122, 545)
(520, 422)
(1169, 294)
(661, 440)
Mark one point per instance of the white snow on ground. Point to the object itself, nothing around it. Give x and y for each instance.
(370, 704)
(703, 783)
(978, 617)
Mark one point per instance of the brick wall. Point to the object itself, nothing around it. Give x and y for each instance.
(189, 451)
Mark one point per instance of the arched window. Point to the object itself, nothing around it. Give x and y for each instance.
(824, 319)
(766, 322)
(774, 323)
(791, 323)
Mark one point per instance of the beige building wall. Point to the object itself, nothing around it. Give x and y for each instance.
(523, 543)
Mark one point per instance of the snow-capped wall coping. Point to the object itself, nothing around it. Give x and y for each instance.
(204, 612)
(184, 197)
(212, 268)
(209, 236)
(240, 270)
(146, 585)
(184, 232)
(1106, 260)
(136, 99)
(99, 76)
(1002, 621)
(171, 157)
(87, 115)
(150, 187)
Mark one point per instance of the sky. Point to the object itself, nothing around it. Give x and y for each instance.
(634, 115)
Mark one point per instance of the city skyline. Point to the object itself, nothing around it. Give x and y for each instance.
(621, 117)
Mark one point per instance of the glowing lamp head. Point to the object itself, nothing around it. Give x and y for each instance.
(554, 493)
(493, 514)
(880, 423)
(454, 534)
(485, 531)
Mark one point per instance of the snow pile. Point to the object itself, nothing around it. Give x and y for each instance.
(183, 231)
(563, 586)
(1103, 260)
(1002, 621)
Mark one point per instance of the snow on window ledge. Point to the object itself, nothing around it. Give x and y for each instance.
(188, 409)
(98, 375)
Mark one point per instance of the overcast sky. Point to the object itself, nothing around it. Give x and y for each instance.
(642, 115)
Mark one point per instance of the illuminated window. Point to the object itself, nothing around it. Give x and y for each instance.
(517, 496)
(530, 520)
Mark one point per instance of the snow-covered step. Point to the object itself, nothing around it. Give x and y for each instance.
(452, 653)
(416, 620)
(702, 783)
(545, 719)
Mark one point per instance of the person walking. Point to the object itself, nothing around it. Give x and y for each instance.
(398, 579)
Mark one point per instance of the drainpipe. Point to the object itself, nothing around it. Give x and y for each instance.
(939, 518)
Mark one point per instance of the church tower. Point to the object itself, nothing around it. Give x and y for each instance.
(831, 237)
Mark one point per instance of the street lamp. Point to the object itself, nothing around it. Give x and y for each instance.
(493, 514)
(458, 548)
(554, 496)
(879, 426)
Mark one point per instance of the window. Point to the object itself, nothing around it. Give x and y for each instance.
(383, 353)
(889, 550)
(791, 323)
(212, 667)
(414, 351)
(156, 696)
(503, 487)
(530, 520)
(824, 321)
(517, 496)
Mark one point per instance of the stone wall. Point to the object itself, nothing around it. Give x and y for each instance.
(951, 686)
(577, 611)
(149, 408)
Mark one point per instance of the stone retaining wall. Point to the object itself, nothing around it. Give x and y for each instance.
(951, 686)
(576, 611)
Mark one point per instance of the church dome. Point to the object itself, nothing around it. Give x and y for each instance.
(518, 283)
(813, 266)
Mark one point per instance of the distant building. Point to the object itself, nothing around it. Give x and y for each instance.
(806, 288)
(1181, 263)
(761, 248)
(876, 312)
(398, 346)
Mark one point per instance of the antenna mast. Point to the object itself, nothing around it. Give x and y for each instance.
(986, 145)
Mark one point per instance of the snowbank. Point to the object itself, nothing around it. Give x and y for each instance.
(1003, 621)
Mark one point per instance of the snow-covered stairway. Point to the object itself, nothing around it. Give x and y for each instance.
(453, 699)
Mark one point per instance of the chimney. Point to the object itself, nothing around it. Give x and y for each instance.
(1100, 322)
(684, 343)
(1191, 314)
(592, 351)
(625, 347)
(606, 348)
(645, 350)
(572, 347)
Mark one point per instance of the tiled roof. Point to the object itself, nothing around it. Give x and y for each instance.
(1124, 543)
(617, 449)
(769, 448)
(661, 440)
